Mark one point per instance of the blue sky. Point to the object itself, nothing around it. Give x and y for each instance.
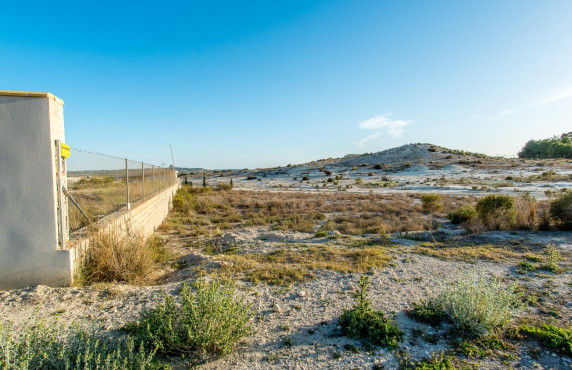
(234, 84)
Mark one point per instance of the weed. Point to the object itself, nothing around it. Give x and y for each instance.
(427, 311)
(552, 258)
(321, 234)
(114, 256)
(271, 358)
(287, 341)
(362, 322)
(478, 306)
(336, 355)
(559, 339)
(40, 346)
(209, 320)
(526, 266)
(351, 348)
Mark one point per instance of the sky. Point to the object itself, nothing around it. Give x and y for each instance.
(253, 84)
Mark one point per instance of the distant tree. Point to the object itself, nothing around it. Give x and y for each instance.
(554, 147)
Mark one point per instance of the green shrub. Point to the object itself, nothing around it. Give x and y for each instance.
(478, 306)
(497, 211)
(526, 266)
(209, 320)
(427, 311)
(552, 258)
(555, 338)
(321, 234)
(178, 203)
(465, 213)
(561, 211)
(41, 346)
(432, 202)
(362, 322)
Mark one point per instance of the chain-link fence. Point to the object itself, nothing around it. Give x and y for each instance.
(99, 185)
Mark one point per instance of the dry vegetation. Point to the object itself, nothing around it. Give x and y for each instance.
(204, 211)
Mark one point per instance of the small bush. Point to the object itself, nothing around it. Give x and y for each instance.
(209, 320)
(561, 211)
(41, 346)
(526, 266)
(555, 338)
(427, 311)
(432, 202)
(465, 213)
(552, 258)
(362, 322)
(497, 211)
(477, 305)
(321, 234)
(111, 256)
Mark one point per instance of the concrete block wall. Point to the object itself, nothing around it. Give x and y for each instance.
(143, 218)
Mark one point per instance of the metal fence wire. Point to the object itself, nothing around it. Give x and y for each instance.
(99, 185)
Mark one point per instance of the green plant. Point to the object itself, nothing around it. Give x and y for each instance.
(526, 266)
(465, 213)
(321, 234)
(204, 179)
(497, 211)
(362, 322)
(427, 311)
(432, 202)
(561, 211)
(552, 258)
(41, 346)
(559, 339)
(209, 320)
(477, 305)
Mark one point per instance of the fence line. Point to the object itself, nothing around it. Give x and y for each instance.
(100, 184)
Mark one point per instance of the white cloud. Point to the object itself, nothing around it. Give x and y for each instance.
(368, 138)
(395, 128)
(556, 95)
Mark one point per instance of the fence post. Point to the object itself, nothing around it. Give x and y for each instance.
(143, 179)
(60, 196)
(153, 178)
(127, 182)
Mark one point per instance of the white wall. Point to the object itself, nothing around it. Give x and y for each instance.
(30, 123)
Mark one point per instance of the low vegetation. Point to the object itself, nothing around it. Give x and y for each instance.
(465, 213)
(38, 345)
(120, 257)
(362, 322)
(208, 320)
(287, 266)
(473, 304)
(558, 339)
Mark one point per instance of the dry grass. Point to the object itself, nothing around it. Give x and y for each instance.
(473, 253)
(205, 212)
(120, 257)
(286, 266)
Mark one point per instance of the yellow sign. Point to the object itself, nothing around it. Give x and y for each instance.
(65, 151)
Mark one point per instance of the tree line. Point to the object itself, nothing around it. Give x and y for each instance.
(554, 147)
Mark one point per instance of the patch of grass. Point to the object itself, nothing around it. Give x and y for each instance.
(321, 234)
(286, 266)
(351, 348)
(208, 321)
(362, 322)
(559, 339)
(470, 253)
(41, 346)
(123, 257)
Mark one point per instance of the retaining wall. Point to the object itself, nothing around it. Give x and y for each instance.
(143, 218)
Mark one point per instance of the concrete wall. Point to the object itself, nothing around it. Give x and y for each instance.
(30, 124)
(144, 218)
